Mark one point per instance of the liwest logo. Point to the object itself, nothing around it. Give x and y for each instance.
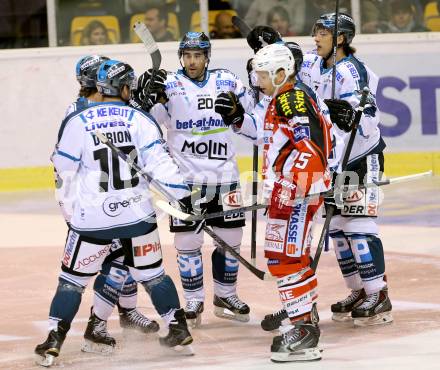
(209, 149)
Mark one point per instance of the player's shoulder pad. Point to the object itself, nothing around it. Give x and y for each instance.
(146, 117)
(224, 73)
(309, 59)
(291, 103)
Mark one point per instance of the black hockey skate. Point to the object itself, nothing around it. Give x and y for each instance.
(178, 338)
(50, 349)
(300, 343)
(231, 308)
(97, 338)
(193, 313)
(273, 321)
(374, 310)
(342, 309)
(132, 319)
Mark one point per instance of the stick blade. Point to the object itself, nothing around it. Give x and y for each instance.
(241, 25)
(147, 38)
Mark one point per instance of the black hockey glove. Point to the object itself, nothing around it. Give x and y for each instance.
(262, 36)
(230, 108)
(154, 87)
(341, 113)
(185, 204)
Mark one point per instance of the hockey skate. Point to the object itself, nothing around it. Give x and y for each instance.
(50, 349)
(273, 321)
(132, 319)
(97, 338)
(374, 310)
(342, 309)
(193, 313)
(231, 308)
(178, 338)
(299, 343)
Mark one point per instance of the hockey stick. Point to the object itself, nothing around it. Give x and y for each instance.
(341, 178)
(244, 30)
(156, 57)
(335, 48)
(169, 209)
(130, 161)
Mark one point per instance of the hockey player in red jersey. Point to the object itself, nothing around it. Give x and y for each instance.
(295, 164)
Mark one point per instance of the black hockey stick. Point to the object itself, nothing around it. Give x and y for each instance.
(335, 48)
(244, 30)
(156, 57)
(130, 161)
(341, 178)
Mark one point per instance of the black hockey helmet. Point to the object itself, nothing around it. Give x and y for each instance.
(261, 36)
(346, 25)
(86, 69)
(112, 76)
(297, 53)
(195, 41)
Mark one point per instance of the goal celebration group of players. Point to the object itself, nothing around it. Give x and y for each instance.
(290, 110)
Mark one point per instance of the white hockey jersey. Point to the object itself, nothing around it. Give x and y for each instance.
(110, 201)
(351, 77)
(198, 139)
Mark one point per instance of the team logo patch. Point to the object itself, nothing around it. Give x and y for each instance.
(356, 196)
(301, 133)
(275, 233)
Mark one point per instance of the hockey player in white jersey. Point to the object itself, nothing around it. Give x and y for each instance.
(201, 145)
(109, 289)
(354, 228)
(113, 202)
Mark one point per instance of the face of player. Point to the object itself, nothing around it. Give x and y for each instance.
(194, 62)
(324, 41)
(265, 81)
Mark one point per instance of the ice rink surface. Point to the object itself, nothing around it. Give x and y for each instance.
(32, 238)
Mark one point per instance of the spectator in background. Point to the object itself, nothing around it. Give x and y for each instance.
(402, 18)
(224, 29)
(95, 33)
(278, 19)
(257, 13)
(156, 20)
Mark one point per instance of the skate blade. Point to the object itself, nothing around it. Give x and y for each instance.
(45, 361)
(194, 323)
(309, 354)
(224, 313)
(102, 349)
(342, 317)
(379, 319)
(184, 350)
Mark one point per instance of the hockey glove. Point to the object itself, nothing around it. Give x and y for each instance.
(281, 202)
(150, 90)
(341, 113)
(230, 108)
(262, 36)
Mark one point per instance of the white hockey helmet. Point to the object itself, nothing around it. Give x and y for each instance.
(272, 58)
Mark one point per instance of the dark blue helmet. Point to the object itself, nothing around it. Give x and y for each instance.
(112, 76)
(195, 41)
(346, 25)
(86, 69)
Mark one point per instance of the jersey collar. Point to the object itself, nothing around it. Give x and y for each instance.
(197, 83)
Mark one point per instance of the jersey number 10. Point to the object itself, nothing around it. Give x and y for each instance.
(101, 155)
